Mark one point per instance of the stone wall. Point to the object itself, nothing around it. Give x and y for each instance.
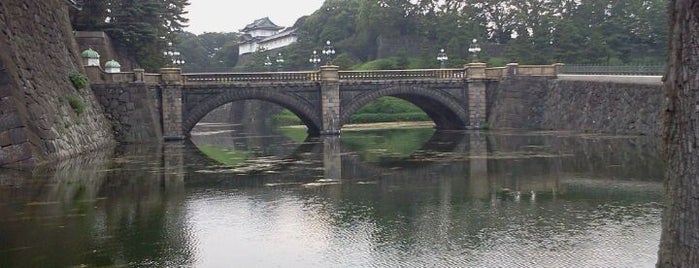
(585, 106)
(132, 110)
(37, 122)
(100, 42)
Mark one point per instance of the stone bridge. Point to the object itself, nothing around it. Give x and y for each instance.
(324, 100)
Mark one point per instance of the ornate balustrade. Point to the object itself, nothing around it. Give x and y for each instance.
(403, 74)
(98, 76)
(193, 78)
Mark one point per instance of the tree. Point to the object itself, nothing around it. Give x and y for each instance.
(91, 17)
(142, 27)
(679, 242)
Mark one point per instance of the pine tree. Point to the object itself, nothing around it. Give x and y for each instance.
(142, 27)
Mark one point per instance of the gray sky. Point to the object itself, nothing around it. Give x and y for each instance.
(231, 16)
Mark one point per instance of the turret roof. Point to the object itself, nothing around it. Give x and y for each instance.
(263, 24)
(112, 64)
(90, 54)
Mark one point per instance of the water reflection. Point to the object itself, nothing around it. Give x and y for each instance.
(367, 199)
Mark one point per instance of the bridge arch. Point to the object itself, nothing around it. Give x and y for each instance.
(444, 110)
(297, 105)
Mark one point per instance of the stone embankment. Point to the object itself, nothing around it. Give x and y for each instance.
(43, 117)
(628, 105)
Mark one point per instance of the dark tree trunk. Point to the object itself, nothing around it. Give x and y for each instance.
(679, 243)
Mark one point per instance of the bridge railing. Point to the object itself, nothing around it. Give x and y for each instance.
(190, 78)
(151, 78)
(536, 70)
(658, 69)
(402, 74)
(496, 72)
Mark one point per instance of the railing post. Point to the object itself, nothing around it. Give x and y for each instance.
(512, 69)
(476, 94)
(171, 101)
(330, 99)
(557, 68)
(138, 75)
(94, 74)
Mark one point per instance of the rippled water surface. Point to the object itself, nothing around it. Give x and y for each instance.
(371, 198)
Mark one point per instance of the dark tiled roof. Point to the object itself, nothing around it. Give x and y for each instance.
(263, 23)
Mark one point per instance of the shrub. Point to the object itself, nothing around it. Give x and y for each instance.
(76, 102)
(79, 80)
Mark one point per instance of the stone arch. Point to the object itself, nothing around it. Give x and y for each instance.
(297, 105)
(444, 110)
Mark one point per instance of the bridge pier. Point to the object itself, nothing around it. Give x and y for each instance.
(476, 95)
(171, 104)
(332, 158)
(330, 100)
(479, 183)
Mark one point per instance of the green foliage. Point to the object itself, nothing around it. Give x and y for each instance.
(379, 64)
(79, 80)
(391, 105)
(296, 134)
(397, 117)
(344, 61)
(378, 145)
(224, 156)
(384, 109)
(286, 118)
(524, 31)
(388, 109)
(497, 62)
(76, 102)
(208, 51)
(141, 27)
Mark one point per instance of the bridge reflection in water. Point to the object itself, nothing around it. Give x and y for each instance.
(450, 201)
(486, 165)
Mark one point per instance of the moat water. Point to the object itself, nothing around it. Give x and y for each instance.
(370, 198)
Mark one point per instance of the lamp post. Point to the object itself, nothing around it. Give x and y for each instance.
(474, 48)
(268, 63)
(173, 56)
(328, 51)
(442, 57)
(314, 59)
(280, 62)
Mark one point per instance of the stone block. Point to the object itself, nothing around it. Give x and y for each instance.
(7, 105)
(10, 121)
(124, 97)
(15, 153)
(5, 139)
(18, 135)
(5, 91)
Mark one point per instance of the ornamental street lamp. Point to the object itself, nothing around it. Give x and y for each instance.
(328, 51)
(173, 56)
(314, 59)
(280, 62)
(442, 57)
(474, 48)
(268, 63)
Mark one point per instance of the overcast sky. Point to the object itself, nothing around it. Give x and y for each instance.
(231, 16)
